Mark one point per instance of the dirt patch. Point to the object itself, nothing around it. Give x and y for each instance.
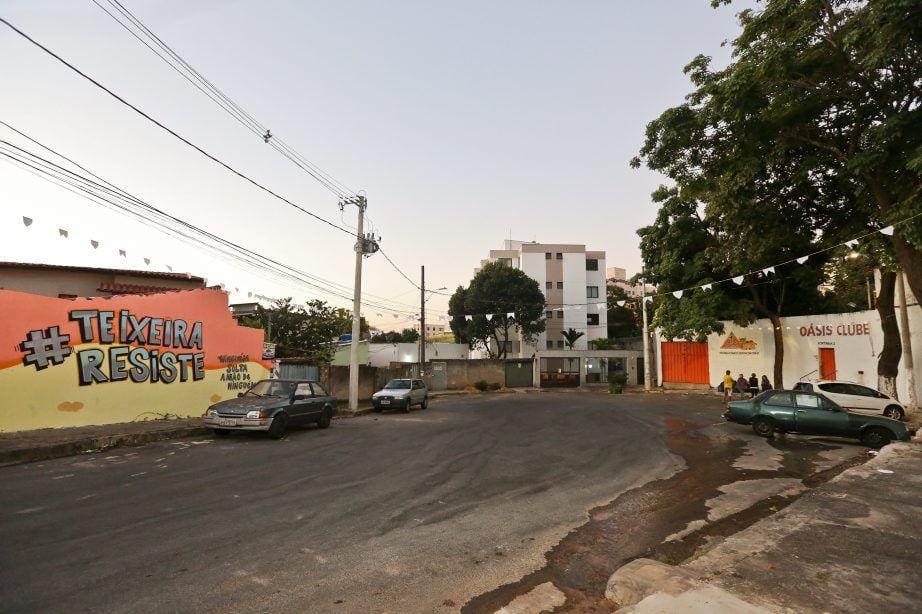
(636, 523)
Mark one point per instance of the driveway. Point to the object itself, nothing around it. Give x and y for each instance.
(470, 503)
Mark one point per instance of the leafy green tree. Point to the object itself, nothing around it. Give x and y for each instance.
(308, 331)
(623, 321)
(571, 336)
(407, 335)
(495, 291)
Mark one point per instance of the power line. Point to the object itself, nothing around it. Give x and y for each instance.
(171, 131)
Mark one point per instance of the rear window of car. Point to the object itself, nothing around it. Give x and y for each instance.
(779, 399)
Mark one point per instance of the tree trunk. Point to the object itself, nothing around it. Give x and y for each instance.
(888, 361)
(778, 333)
(911, 260)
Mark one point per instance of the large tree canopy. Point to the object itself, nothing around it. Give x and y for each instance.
(497, 290)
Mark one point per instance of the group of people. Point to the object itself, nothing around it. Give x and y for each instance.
(744, 386)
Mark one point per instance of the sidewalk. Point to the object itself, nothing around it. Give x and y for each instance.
(45, 444)
(853, 544)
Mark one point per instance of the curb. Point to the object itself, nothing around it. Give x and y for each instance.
(92, 444)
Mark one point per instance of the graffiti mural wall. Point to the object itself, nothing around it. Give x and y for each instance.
(75, 362)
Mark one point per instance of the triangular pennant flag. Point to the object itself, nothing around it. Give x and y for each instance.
(707, 286)
(511, 314)
(237, 290)
(886, 231)
(468, 318)
(489, 317)
(738, 280)
(122, 253)
(852, 243)
(677, 294)
(802, 259)
(62, 232)
(396, 316)
(147, 261)
(620, 303)
(27, 221)
(169, 268)
(249, 295)
(648, 299)
(94, 243)
(768, 269)
(379, 315)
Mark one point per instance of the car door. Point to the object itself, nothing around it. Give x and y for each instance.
(302, 402)
(779, 406)
(418, 391)
(814, 416)
(867, 400)
(837, 392)
(319, 399)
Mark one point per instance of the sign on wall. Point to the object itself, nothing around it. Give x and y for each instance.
(73, 362)
(734, 344)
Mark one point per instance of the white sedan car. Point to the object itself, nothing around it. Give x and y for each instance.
(856, 397)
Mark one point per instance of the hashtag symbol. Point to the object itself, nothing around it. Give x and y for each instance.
(44, 347)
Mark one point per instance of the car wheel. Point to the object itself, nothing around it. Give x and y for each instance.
(876, 437)
(425, 403)
(763, 427)
(221, 432)
(325, 418)
(278, 426)
(894, 412)
(406, 408)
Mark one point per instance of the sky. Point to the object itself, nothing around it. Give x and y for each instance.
(464, 123)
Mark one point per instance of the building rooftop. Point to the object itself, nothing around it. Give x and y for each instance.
(89, 269)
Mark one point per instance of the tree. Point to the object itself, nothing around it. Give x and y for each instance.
(623, 321)
(496, 291)
(571, 336)
(297, 331)
(407, 335)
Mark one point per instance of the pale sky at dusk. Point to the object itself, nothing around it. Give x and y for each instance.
(463, 122)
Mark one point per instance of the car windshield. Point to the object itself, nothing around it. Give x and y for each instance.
(270, 388)
(398, 384)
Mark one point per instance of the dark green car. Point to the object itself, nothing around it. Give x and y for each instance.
(809, 413)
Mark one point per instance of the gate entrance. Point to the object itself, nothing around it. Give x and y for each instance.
(519, 374)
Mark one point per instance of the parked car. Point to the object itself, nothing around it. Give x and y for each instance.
(272, 405)
(401, 393)
(856, 397)
(809, 413)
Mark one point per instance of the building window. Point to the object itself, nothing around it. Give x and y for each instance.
(505, 261)
(592, 319)
(67, 296)
(592, 264)
(560, 314)
(559, 344)
(559, 256)
(560, 285)
(549, 285)
(550, 344)
(547, 255)
(592, 292)
(548, 314)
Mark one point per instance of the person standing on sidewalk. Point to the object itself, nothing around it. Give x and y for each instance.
(742, 384)
(753, 386)
(766, 385)
(728, 385)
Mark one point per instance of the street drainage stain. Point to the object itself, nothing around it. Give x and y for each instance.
(637, 522)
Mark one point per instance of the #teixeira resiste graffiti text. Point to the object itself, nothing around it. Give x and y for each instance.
(128, 361)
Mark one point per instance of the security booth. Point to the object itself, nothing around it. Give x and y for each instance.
(575, 368)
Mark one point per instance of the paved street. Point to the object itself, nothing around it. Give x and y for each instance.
(466, 504)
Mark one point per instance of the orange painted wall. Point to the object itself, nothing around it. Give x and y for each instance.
(52, 396)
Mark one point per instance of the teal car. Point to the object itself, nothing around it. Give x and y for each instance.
(809, 413)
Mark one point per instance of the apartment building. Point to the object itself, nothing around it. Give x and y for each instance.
(431, 329)
(573, 282)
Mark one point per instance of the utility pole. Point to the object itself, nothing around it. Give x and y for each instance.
(422, 319)
(647, 379)
(364, 245)
(906, 338)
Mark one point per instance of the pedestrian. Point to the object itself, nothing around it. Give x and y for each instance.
(728, 385)
(753, 386)
(766, 385)
(741, 385)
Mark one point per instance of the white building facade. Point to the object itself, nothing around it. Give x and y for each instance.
(573, 282)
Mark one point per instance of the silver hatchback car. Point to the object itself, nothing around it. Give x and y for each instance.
(402, 393)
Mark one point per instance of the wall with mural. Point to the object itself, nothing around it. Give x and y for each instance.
(76, 362)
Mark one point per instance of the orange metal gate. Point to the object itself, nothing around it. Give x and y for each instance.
(685, 362)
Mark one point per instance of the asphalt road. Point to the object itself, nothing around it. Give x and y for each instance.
(411, 512)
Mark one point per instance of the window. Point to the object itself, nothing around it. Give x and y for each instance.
(780, 399)
(560, 344)
(318, 390)
(560, 285)
(592, 292)
(505, 261)
(560, 314)
(808, 400)
(548, 314)
(559, 256)
(547, 255)
(67, 296)
(549, 285)
(803, 386)
(834, 388)
(592, 264)
(592, 319)
(303, 390)
(550, 344)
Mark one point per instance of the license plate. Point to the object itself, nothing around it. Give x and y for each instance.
(228, 422)
(385, 402)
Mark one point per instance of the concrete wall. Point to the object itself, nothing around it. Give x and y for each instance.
(336, 380)
(135, 377)
(460, 374)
